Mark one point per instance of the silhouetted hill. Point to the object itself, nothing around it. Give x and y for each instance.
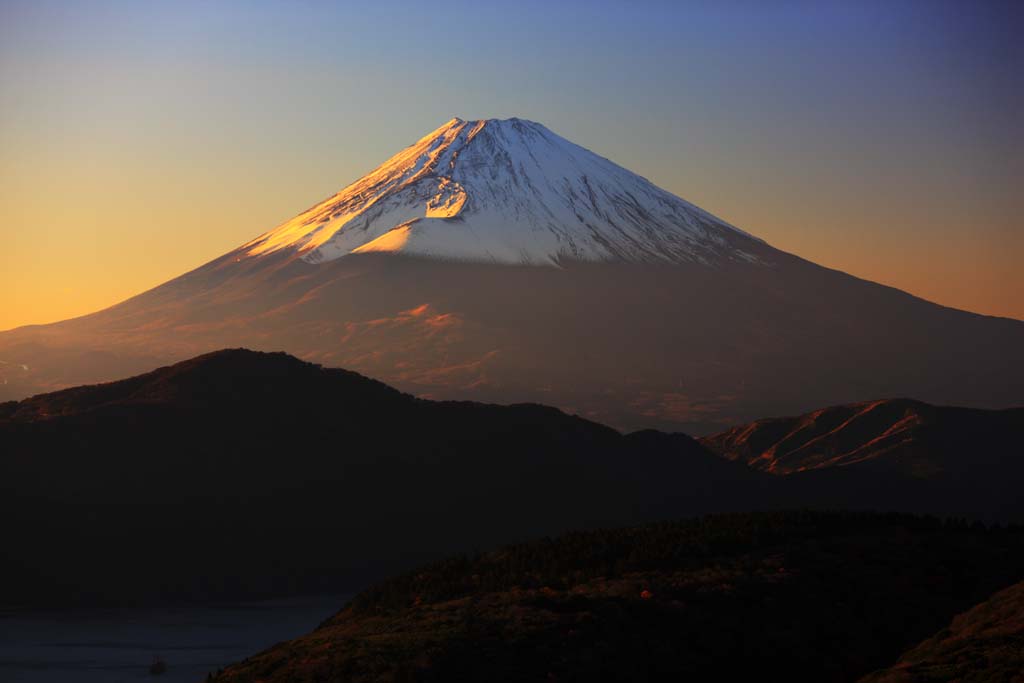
(214, 380)
(983, 645)
(795, 596)
(240, 473)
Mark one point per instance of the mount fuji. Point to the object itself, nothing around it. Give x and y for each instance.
(496, 260)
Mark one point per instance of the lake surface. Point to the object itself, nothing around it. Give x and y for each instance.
(115, 645)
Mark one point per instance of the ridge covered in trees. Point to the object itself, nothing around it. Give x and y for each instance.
(797, 596)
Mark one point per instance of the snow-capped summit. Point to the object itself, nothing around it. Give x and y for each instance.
(505, 191)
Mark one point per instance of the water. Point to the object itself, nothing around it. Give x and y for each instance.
(118, 645)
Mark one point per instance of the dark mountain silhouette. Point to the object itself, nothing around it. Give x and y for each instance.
(241, 473)
(798, 596)
(983, 645)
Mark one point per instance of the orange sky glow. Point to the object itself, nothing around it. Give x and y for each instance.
(137, 144)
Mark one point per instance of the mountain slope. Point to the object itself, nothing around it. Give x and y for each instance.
(986, 643)
(426, 274)
(803, 596)
(505, 191)
(909, 437)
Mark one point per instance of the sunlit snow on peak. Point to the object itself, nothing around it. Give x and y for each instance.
(505, 191)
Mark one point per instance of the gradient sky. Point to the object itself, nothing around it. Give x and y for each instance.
(139, 140)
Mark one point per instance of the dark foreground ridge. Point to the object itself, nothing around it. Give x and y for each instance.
(245, 474)
(985, 644)
(795, 596)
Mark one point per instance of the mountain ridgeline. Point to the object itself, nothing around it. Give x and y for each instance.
(497, 261)
(247, 474)
(911, 437)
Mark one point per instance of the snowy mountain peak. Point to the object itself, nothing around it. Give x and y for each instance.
(505, 191)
